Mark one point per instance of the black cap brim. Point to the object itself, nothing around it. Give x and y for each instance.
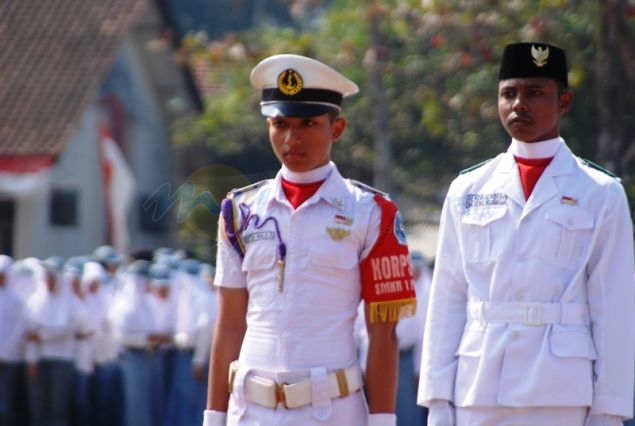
(294, 109)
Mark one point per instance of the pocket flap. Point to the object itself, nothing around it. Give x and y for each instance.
(572, 341)
(571, 219)
(344, 256)
(483, 216)
(260, 256)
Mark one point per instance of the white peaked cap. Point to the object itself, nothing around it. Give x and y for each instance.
(298, 86)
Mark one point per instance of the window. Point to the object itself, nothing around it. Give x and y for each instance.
(63, 208)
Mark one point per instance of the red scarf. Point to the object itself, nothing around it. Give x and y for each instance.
(298, 193)
(530, 170)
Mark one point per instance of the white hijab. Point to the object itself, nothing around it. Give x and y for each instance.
(131, 310)
(96, 302)
(9, 299)
(51, 309)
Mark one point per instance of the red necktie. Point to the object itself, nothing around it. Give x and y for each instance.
(530, 170)
(298, 193)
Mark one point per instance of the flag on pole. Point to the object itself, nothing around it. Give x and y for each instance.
(119, 189)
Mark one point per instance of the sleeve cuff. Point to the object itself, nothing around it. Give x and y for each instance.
(382, 419)
(214, 418)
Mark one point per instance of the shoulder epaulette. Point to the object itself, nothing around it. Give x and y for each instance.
(595, 166)
(247, 188)
(474, 167)
(367, 187)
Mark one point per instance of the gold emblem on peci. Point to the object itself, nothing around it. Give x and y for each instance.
(540, 55)
(290, 82)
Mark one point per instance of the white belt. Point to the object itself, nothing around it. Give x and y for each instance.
(529, 313)
(269, 393)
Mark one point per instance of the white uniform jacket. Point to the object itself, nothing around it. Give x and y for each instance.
(309, 321)
(302, 326)
(532, 302)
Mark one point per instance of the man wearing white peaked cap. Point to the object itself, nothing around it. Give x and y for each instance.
(296, 256)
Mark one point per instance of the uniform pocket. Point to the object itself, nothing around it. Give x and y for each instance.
(340, 256)
(259, 263)
(483, 234)
(571, 229)
(572, 341)
(334, 268)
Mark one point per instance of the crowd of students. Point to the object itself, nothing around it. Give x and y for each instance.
(105, 340)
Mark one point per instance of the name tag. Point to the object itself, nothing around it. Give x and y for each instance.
(478, 200)
(257, 236)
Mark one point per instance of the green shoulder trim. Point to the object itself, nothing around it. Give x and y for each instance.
(595, 166)
(474, 167)
(367, 188)
(248, 188)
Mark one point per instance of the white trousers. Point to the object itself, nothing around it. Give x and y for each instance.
(520, 416)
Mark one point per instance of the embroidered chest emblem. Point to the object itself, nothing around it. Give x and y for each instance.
(478, 200)
(337, 234)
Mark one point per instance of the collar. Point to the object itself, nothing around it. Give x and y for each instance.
(334, 190)
(311, 176)
(542, 149)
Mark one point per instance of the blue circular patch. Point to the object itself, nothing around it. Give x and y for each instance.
(400, 234)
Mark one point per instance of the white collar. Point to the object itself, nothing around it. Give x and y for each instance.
(542, 149)
(311, 176)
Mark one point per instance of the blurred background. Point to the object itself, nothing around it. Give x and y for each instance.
(125, 122)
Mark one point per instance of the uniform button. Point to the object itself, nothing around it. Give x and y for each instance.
(514, 335)
(520, 295)
(285, 334)
(570, 222)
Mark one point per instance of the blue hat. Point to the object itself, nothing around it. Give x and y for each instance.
(139, 267)
(297, 86)
(55, 262)
(190, 266)
(160, 274)
(107, 254)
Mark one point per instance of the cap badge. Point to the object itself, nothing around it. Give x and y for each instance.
(290, 82)
(540, 55)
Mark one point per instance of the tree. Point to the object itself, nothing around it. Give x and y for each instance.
(427, 72)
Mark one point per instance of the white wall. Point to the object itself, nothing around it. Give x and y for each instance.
(78, 169)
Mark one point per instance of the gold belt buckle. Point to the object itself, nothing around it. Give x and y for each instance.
(342, 382)
(281, 397)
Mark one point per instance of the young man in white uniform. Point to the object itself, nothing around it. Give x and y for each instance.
(531, 311)
(295, 256)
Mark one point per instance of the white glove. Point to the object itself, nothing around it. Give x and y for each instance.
(382, 419)
(603, 420)
(440, 413)
(214, 418)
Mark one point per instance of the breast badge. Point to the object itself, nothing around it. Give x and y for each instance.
(337, 234)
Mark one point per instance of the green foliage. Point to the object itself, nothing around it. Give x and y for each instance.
(439, 63)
